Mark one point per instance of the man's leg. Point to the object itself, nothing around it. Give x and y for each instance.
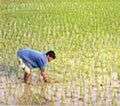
(26, 69)
(27, 75)
(21, 66)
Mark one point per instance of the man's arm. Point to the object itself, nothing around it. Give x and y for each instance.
(44, 74)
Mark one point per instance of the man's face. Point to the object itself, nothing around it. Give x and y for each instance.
(49, 58)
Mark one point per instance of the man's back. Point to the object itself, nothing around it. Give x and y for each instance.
(33, 58)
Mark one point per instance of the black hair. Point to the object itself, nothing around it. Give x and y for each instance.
(51, 54)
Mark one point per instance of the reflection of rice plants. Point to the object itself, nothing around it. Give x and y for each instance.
(15, 92)
(85, 37)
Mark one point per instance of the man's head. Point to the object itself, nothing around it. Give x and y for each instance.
(50, 55)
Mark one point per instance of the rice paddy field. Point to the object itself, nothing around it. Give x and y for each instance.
(85, 35)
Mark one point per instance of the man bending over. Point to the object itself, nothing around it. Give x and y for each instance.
(30, 59)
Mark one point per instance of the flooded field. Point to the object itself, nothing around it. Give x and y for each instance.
(75, 93)
(85, 35)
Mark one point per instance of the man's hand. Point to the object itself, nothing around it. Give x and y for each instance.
(45, 76)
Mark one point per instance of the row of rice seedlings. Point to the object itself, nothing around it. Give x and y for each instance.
(69, 93)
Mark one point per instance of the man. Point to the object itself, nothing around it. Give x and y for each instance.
(29, 59)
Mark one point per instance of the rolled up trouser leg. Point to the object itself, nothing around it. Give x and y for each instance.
(27, 75)
(26, 69)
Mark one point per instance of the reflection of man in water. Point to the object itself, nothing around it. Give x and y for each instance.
(29, 59)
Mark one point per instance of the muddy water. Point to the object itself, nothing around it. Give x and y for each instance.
(14, 92)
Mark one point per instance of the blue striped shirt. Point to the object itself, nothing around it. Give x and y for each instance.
(33, 58)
